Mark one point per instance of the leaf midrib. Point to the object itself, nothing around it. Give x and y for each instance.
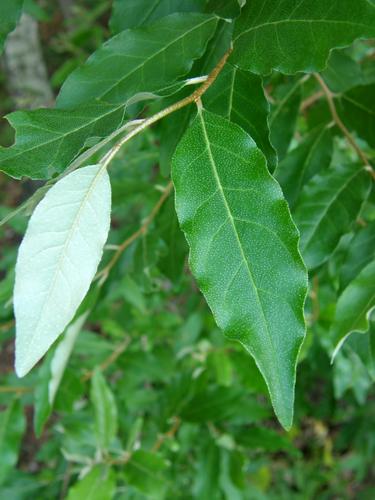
(230, 217)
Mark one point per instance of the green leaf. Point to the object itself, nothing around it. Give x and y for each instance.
(357, 109)
(238, 96)
(342, 72)
(105, 410)
(47, 140)
(138, 61)
(284, 115)
(361, 252)
(354, 307)
(297, 35)
(12, 428)
(302, 163)
(57, 260)
(132, 13)
(98, 484)
(328, 205)
(10, 13)
(238, 227)
(145, 471)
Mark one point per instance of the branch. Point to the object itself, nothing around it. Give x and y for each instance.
(103, 274)
(331, 103)
(111, 358)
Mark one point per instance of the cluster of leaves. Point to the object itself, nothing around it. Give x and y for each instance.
(268, 136)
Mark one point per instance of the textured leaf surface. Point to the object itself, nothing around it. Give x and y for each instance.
(243, 248)
(105, 410)
(12, 427)
(57, 260)
(354, 306)
(302, 163)
(358, 111)
(329, 204)
(238, 96)
(297, 35)
(142, 60)
(133, 13)
(10, 12)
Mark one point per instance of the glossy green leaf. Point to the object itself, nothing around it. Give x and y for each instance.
(138, 61)
(357, 108)
(238, 228)
(105, 410)
(98, 484)
(12, 428)
(354, 307)
(328, 205)
(294, 35)
(313, 154)
(47, 140)
(10, 13)
(57, 260)
(361, 252)
(342, 72)
(132, 13)
(284, 115)
(238, 96)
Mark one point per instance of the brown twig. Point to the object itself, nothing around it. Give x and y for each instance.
(330, 100)
(17, 390)
(103, 274)
(176, 422)
(110, 359)
(307, 103)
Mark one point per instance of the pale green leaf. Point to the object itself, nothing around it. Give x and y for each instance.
(238, 96)
(105, 410)
(10, 12)
(354, 307)
(297, 35)
(243, 248)
(57, 260)
(302, 163)
(12, 428)
(98, 484)
(328, 205)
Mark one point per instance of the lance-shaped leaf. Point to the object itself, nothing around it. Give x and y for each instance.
(357, 108)
(328, 205)
(243, 248)
(297, 35)
(238, 96)
(142, 61)
(138, 61)
(57, 260)
(10, 12)
(354, 307)
(98, 484)
(105, 408)
(12, 427)
(302, 163)
(133, 13)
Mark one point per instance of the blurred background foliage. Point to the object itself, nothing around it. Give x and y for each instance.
(154, 402)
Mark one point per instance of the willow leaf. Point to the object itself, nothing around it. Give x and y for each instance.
(243, 248)
(57, 260)
(297, 35)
